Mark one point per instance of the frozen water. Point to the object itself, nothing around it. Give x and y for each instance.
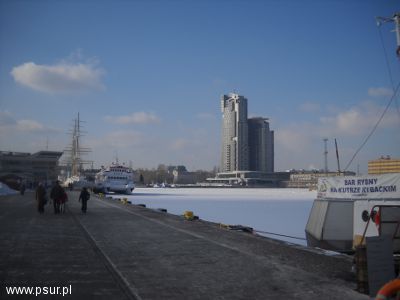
(281, 211)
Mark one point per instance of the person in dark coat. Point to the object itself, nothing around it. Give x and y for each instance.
(57, 195)
(41, 197)
(84, 197)
(22, 189)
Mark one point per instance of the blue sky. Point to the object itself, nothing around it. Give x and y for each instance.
(147, 76)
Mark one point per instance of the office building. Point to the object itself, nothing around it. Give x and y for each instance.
(39, 166)
(261, 145)
(235, 148)
(383, 165)
(247, 156)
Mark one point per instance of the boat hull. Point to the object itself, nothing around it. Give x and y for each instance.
(116, 178)
(330, 225)
(344, 246)
(121, 189)
(338, 225)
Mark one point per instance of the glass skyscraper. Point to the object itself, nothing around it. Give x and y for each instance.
(247, 144)
(235, 147)
(261, 145)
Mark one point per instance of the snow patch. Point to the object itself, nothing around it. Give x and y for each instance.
(5, 190)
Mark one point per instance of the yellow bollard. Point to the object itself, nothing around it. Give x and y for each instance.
(188, 215)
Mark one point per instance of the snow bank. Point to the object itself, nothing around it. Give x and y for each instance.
(5, 190)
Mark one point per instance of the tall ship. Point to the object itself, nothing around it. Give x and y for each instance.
(115, 178)
(74, 161)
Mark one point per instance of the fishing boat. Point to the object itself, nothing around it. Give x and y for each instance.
(115, 178)
(350, 208)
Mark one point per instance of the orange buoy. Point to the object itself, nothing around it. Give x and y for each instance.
(388, 290)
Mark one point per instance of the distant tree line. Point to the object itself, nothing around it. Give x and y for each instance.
(164, 174)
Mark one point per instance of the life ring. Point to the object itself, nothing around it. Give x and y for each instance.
(388, 290)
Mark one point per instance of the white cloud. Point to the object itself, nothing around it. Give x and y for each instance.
(179, 144)
(63, 77)
(380, 92)
(134, 118)
(9, 124)
(6, 119)
(300, 145)
(350, 122)
(29, 125)
(293, 139)
(357, 120)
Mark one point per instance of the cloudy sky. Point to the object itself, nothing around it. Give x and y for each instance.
(147, 76)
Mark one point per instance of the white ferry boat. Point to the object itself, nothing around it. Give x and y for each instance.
(77, 182)
(115, 178)
(350, 208)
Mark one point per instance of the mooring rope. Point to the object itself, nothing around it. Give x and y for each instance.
(278, 234)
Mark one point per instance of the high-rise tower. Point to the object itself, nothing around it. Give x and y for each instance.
(261, 145)
(235, 149)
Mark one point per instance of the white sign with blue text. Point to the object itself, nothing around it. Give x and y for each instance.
(386, 186)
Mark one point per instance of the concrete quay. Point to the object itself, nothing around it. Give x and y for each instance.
(119, 251)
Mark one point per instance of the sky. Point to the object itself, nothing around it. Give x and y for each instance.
(146, 78)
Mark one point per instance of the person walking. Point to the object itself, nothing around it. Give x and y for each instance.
(41, 197)
(22, 189)
(57, 195)
(84, 197)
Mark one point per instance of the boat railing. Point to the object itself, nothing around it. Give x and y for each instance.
(382, 219)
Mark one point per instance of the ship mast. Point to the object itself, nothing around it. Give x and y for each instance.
(75, 151)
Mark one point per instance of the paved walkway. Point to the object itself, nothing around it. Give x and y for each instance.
(118, 251)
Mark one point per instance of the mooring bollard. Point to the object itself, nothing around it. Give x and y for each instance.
(188, 215)
(360, 258)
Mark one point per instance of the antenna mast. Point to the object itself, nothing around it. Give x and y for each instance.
(326, 155)
(396, 20)
(337, 157)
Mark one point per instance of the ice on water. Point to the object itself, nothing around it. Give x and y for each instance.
(283, 211)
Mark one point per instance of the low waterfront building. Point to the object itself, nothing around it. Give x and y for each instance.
(29, 168)
(309, 179)
(249, 178)
(384, 165)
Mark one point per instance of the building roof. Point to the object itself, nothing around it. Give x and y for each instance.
(47, 154)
